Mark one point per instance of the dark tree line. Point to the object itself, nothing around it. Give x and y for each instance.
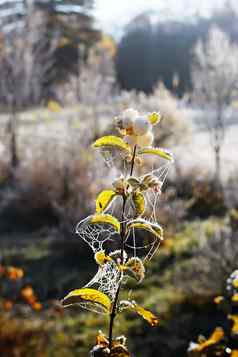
(163, 51)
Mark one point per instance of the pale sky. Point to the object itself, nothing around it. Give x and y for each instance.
(113, 15)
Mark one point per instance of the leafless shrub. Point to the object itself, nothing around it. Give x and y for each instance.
(205, 273)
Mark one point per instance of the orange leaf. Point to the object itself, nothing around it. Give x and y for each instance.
(101, 340)
(234, 318)
(215, 337)
(37, 306)
(146, 314)
(7, 305)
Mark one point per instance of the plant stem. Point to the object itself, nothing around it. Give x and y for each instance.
(133, 160)
(122, 234)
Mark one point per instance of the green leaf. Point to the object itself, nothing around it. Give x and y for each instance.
(104, 199)
(88, 295)
(106, 219)
(139, 202)
(111, 141)
(153, 228)
(165, 154)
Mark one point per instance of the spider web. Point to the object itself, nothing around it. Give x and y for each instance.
(150, 214)
(95, 235)
(106, 279)
(103, 236)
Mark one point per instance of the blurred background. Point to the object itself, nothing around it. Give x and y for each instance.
(67, 68)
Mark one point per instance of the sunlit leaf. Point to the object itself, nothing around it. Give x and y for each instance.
(104, 199)
(218, 299)
(153, 228)
(53, 106)
(216, 337)
(154, 118)
(139, 202)
(234, 318)
(165, 154)
(118, 349)
(101, 340)
(136, 268)
(101, 258)
(235, 298)
(106, 219)
(14, 273)
(87, 295)
(111, 141)
(146, 314)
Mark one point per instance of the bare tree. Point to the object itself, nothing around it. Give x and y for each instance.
(210, 264)
(26, 61)
(215, 81)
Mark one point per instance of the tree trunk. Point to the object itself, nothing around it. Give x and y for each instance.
(14, 161)
(218, 165)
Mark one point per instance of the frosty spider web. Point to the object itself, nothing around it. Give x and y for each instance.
(150, 214)
(95, 235)
(108, 276)
(115, 159)
(106, 279)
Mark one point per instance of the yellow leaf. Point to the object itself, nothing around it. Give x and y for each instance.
(101, 340)
(139, 202)
(234, 353)
(154, 118)
(53, 106)
(235, 298)
(101, 258)
(118, 349)
(136, 267)
(153, 228)
(234, 318)
(64, 41)
(235, 283)
(146, 314)
(165, 154)
(111, 141)
(106, 219)
(88, 295)
(218, 299)
(216, 337)
(104, 199)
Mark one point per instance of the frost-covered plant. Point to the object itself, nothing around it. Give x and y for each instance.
(215, 82)
(113, 232)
